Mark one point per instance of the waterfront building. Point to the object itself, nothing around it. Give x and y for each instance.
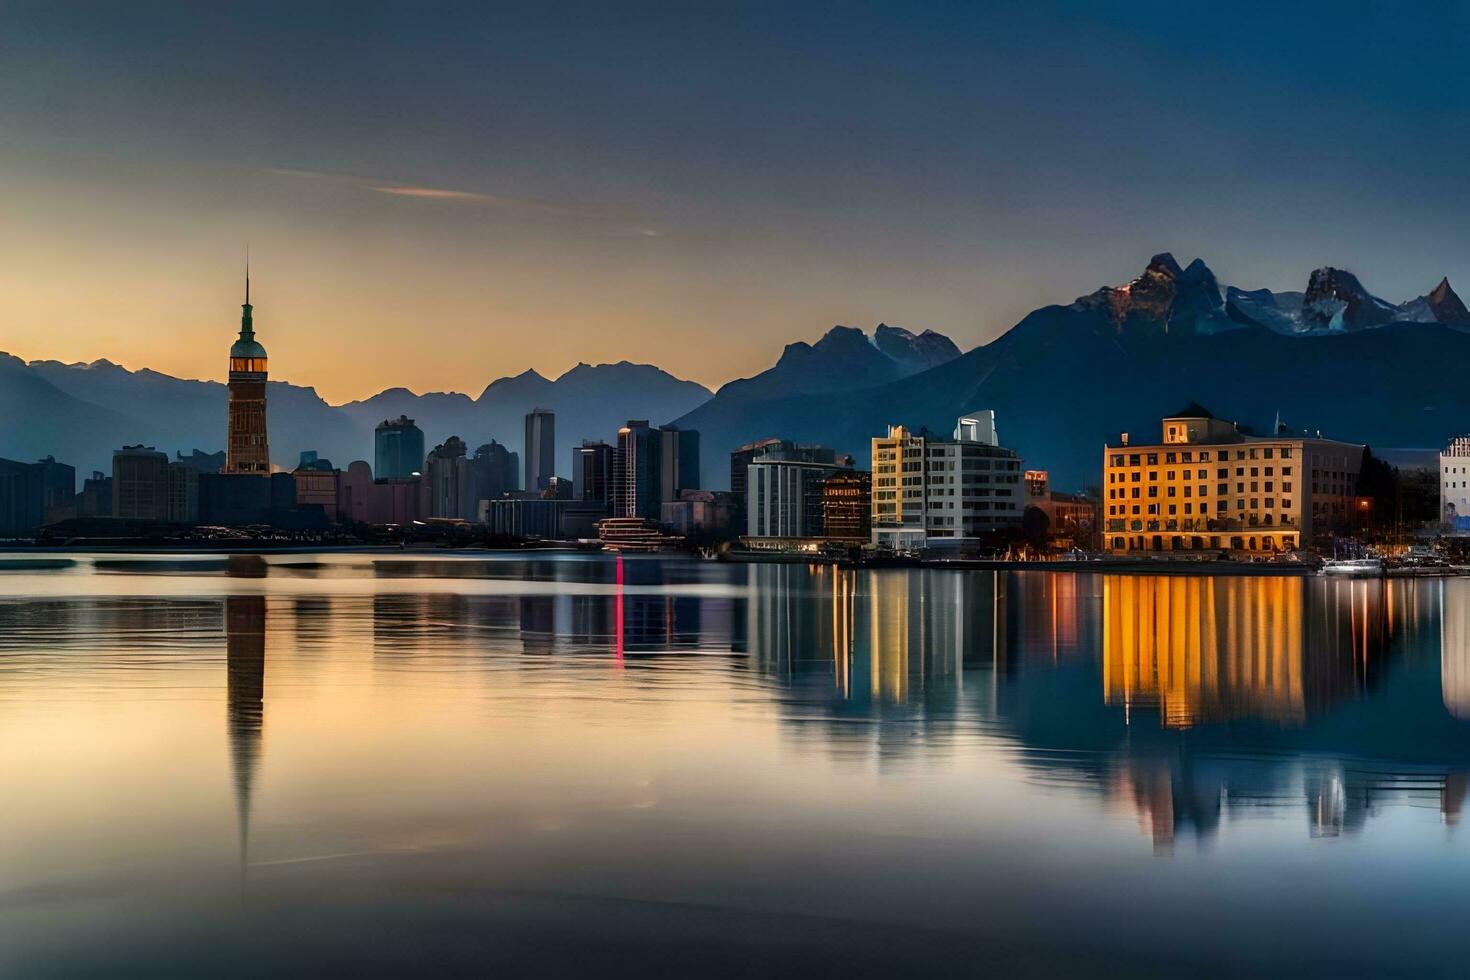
(1210, 485)
(1454, 484)
(183, 492)
(784, 497)
(935, 492)
(95, 500)
(678, 462)
(398, 449)
(636, 484)
(318, 484)
(396, 502)
(698, 512)
(140, 486)
(543, 518)
(592, 466)
(241, 500)
(247, 450)
(354, 490)
(635, 534)
(772, 448)
(1071, 519)
(540, 448)
(32, 494)
(847, 507)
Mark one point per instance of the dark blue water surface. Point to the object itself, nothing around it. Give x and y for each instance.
(586, 766)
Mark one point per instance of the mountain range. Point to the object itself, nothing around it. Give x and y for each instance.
(1066, 378)
(1333, 358)
(81, 412)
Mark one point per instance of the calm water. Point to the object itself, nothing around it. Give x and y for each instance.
(580, 766)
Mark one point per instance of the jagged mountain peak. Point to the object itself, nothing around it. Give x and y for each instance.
(1446, 304)
(1164, 299)
(1336, 300)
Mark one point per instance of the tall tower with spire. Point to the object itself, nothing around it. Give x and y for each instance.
(248, 450)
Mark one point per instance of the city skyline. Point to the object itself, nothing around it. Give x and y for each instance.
(538, 194)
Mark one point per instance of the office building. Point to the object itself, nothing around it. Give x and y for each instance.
(140, 486)
(678, 462)
(398, 449)
(247, 450)
(772, 448)
(783, 497)
(494, 472)
(540, 448)
(29, 492)
(931, 492)
(636, 484)
(446, 482)
(847, 507)
(1212, 486)
(592, 468)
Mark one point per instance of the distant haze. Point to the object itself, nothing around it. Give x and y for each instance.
(439, 194)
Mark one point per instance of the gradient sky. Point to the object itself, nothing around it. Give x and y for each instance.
(436, 195)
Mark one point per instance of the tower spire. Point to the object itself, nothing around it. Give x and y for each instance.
(247, 325)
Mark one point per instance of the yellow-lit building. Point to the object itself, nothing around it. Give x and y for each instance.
(1208, 486)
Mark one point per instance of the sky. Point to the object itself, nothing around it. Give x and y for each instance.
(436, 195)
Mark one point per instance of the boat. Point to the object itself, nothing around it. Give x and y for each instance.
(1355, 567)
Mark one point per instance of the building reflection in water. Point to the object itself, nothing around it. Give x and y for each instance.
(881, 636)
(245, 699)
(1205, 649)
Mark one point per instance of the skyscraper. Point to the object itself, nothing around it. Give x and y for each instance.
(398, 449)
(447, 480)
(592, 469)
(247, 450)
(636, 471)
(678, 462)
(540, 448)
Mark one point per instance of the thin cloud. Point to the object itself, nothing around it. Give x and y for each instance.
(379, 185)
(443, 194)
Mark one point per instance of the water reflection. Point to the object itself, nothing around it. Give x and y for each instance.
(245, 701)
(1186, 703)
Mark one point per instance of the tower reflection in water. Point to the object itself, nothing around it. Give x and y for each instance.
(245, 698)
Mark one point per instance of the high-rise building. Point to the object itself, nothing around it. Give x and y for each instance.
(540, 448)
(592, 466)
(29, 491)
(247, 450)
(494, 472)
(140, 483)
(636, 483)
(678, 462)
(447, 481)
(935, 492)
(1209, 486)
(398, 449)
